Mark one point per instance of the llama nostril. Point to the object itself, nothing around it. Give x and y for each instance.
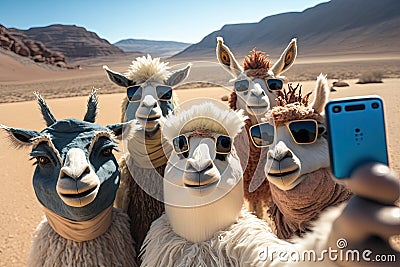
(280, 153)
(288, 154)
(200, 165)
(87, 170)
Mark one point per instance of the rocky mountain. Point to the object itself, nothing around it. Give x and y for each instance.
(73, 41)
(33, 49)
(335, 27)
(158, 48)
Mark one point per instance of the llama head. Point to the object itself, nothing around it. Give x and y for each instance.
(149, 85)
(76, 174)
(256, 83)
(203, 177)
(294, 133)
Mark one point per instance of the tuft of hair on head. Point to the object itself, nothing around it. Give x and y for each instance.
(206, 116)
(256, 64)
(148, 68)
(45, 110)
(292, 95)
(92, 106)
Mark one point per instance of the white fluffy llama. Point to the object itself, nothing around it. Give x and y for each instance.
(149, 99)
(76, 179)
(204, 222)
(255, 86)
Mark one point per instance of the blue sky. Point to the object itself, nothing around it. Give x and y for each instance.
(176, 20)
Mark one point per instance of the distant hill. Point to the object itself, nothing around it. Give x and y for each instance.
(32, 49)
(73, 41)
(158, 48)
(335, 27)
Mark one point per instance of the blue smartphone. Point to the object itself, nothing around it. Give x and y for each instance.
(356, 133)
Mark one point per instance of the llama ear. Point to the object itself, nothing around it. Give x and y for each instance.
(287, 58)
(321, 94)
(119, 128)
(118, 78)
(92, 105)
(45, 110)
(227, 59)
(19, 137)
(178, 76)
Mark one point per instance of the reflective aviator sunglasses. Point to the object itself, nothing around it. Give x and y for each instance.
(302, 131)
(135, 93)
(223, 143)
(272, 84)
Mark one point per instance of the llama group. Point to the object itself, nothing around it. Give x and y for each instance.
(185, 176)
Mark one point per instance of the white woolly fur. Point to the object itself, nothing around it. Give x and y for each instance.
(238, 245)
(204, 116)
(114, 248)
(245, 243)
(148, 69)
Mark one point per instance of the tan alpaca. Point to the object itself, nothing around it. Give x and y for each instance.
(297, 167)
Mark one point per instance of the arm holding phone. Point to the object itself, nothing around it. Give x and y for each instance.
(371, 216)
(358, 155)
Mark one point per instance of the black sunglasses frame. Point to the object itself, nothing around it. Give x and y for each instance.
(157, 88)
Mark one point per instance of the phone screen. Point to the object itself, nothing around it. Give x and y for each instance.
(356, 133)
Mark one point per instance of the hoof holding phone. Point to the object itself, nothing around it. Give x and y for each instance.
(356, 133)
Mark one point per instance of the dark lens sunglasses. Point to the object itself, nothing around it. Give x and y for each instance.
(302, 131)
(223, 144)
(134, 93)
(272, 84)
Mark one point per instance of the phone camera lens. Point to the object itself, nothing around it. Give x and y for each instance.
(375, 105)
(337, 109)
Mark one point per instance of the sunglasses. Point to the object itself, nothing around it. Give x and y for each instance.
(135, 93)
(272, 85)
(302, 131)
(223, 143)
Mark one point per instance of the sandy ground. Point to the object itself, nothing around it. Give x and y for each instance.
(20, 212)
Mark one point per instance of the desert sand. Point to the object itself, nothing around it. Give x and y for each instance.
(20, 212)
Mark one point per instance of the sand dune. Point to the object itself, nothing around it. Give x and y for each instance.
(20, 212)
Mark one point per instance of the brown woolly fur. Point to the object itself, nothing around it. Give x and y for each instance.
(263, 192)
(279, 115)
(293, 211)
(291, 96)
(256, 64)
(124, 104)
(232, 100)
(291, 105)
(113, 248)
(141, 207)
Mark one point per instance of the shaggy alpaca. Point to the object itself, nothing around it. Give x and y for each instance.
(149, 99)
(204, 222)
(76, 180)
(297, 166)
(254, 92)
